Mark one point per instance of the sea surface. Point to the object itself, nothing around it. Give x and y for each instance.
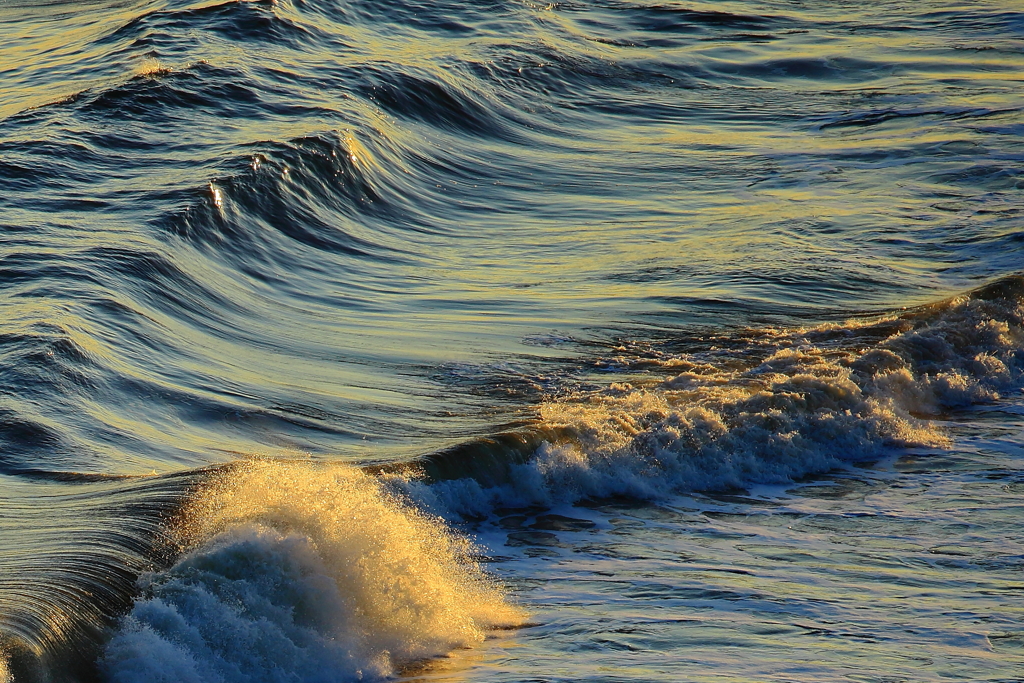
(507, 341)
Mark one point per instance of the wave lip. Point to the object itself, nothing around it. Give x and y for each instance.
(73, 551)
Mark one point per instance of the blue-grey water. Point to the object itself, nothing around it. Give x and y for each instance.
(503, 340)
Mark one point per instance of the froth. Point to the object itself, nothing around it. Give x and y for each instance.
(776, 406)
(302, 572)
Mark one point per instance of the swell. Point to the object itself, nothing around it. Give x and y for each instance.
(301, 233)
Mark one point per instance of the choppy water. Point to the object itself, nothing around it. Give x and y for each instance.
(511, 341)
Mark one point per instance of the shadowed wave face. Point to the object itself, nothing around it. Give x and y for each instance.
(568, 250)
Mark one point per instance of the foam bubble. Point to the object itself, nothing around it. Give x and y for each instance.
(310, 573)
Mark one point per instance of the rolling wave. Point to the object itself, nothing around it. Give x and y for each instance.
(335, 571)
(767, 408)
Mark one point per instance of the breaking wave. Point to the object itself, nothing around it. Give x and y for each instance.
(304, 572)
(766, 407)
(275, 570)
(282, 570)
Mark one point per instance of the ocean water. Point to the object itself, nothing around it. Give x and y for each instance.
(509, 341)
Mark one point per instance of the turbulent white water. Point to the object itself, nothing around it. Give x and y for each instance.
(790, 403)
(304, 572)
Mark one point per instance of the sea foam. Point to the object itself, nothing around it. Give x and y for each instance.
(304, 572)
(776, 405)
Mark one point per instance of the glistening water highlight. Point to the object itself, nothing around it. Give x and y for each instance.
(304, 572)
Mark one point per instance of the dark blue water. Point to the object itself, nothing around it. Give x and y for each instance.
(483, 261)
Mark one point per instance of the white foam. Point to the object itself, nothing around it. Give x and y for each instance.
(307, 573)
(809, 404)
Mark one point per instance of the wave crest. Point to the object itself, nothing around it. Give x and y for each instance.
(771, 408)
(309, 572)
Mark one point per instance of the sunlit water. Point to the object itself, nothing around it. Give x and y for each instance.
(905, 571)
(703, 322)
